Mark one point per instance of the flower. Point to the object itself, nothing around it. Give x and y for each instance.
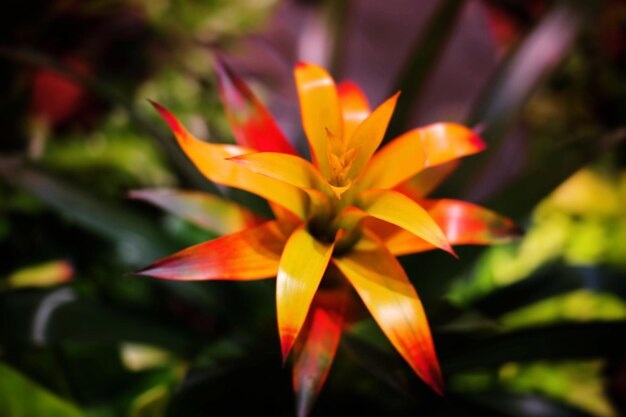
(339, 219)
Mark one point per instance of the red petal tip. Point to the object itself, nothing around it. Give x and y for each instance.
(169, 118)
(478, 143)
(286, 343)
(438, 387)
(451, 251)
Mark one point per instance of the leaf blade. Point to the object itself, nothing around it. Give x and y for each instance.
(320, 111)
(386, 291)
(248, 255)
(302, 266)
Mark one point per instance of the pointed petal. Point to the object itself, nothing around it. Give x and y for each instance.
(210, 159)
(290, 169)
(202, 209)
(354, 107)
(468, 224)
(422, 184)
(386, 291)
(302, 266)
(463, 224)
(316, 353)
(369, 135)
(321, 113)
(418, 149)
(248, 255)
(252, 124)
(400, 210)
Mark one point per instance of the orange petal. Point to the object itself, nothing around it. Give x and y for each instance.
(386, 291)
(251, 123)
(354, 107)
(400, 210)
(302, 266)
(321, 112)
(422, 184)
(247, 255)
(418, 149)
(369, 135)
(463, 224)
(290, 169)
(210, 159)
(318, 348)
(203, 209)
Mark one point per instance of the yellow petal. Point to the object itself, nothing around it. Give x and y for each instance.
(386, 291)
(290, 169)
(210, 159)
(321, 113)
(302, 266)
(400, 210)
(418, 149)
(354, 107)
(369, 135)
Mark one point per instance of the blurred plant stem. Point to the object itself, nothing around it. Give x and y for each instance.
(422, 61)
(338, 14)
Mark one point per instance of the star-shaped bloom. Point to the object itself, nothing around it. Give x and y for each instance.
(340, 220)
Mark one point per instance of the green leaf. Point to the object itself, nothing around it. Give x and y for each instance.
(23, 398)
(137, 240)
(548, 282)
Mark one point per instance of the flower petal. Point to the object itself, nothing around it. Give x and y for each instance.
(400, 210)
(463, 224)
(203, 209)
(302, 266)
(318, 348)
(369, 134)
(386, 291)
(354, 107)
(418, 149)
(247, 255)
(321, 112)
(290, 169)
(251, 123)
(210, 159)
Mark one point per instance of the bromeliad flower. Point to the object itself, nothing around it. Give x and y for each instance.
(339, 219)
